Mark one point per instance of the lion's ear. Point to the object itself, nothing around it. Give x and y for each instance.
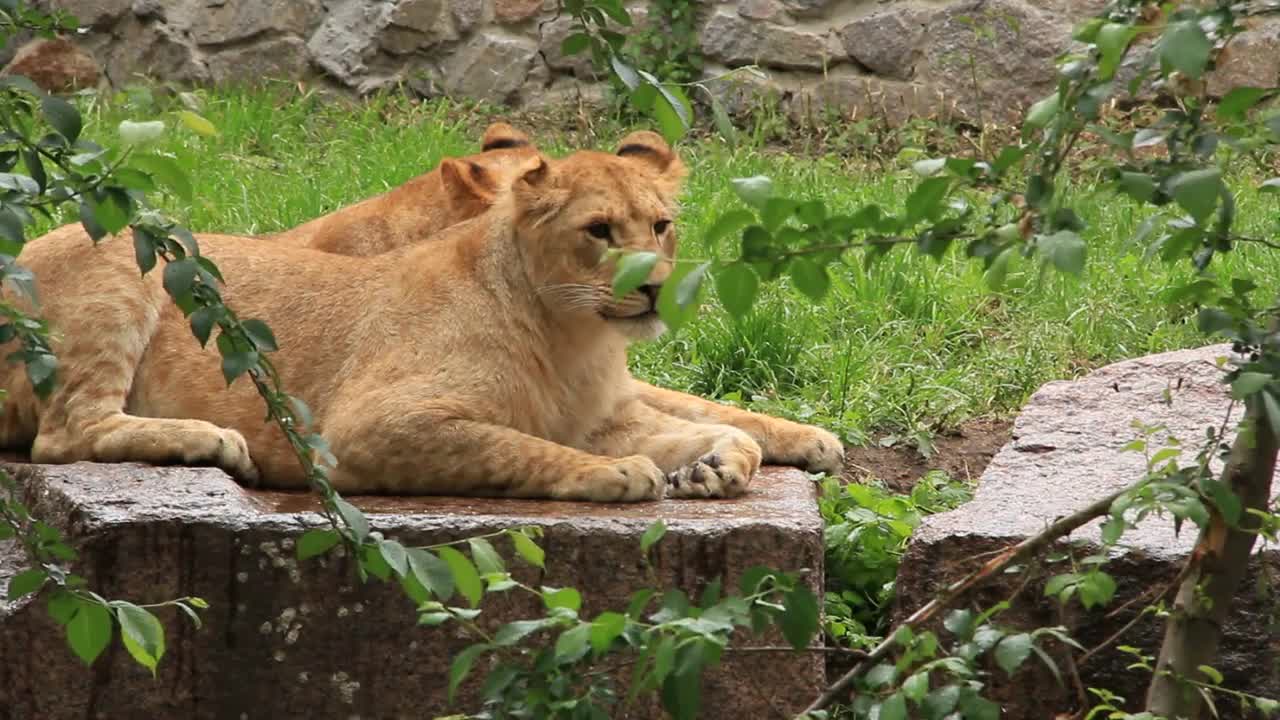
(500, 135)
(467, 182)
(649, 148)
(538, 195)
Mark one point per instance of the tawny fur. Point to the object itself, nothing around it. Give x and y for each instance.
(462, 368)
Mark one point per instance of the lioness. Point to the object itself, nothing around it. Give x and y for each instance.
(412, 213)
(489, 362)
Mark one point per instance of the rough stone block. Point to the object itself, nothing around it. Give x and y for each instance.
(1064, 454)
(734, 40)
(284, 639)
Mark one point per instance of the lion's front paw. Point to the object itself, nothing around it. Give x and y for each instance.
(629, 479)
(809, 448)
(714, 475)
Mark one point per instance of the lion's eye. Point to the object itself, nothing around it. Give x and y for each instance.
(599, 230)
(661, 226)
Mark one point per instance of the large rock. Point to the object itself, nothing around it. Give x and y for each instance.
(854, 97)
(55, 65)
(887, 43)
(733, 40)
(492, 67)
(994, 56)
(284, 639)
(274, 58)
(1065, 453)
(1251, 60)
(215, 22)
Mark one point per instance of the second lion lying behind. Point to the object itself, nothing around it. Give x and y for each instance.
(461, 366)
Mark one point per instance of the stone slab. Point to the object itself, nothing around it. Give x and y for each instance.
(1066, 452)
(286, 640)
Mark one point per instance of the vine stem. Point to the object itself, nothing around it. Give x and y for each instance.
(1014, 554)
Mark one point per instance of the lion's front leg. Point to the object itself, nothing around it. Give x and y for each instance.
(783, 442)
(394, 440)
(701, 460)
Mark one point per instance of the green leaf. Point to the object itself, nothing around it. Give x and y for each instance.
(668, 117)
(959, 623)
(110, 211)
(1139, 186)
(63, 606)
(575, 43)
(461, 666)
(941, 702)
(235, 364)
(486, 558)
(26, 582)
(930, 167)
(1065, 249)
(395, 555)
(89, 630)
(142, 633)
(727, 225)
(882, 675)
(197, 124)
(652, 535)
(754, 191)
(1013, 651)
(724, 124)
(809, 277)
(737, 286)
(975, 707)
(1267, 705)
(517, 630)
(465, 577)
(606, 628)
(166, 172)
(775, 212)
(317, 541)
(62, 116)
(434, 574)
(1042, 112)
(179, 276)
(799, 620)
(925, 201)
(573, 643)
(354, 519)
(528, 549)
(562, 598)
(1238, 101)
(1185, 48)
(1112, 40)
(625, 72)
(1227, 502)
(916, 687)
(1249, 383)
(1212, 673)
(894, 707)
(260, 334)
(1197, 191)
(633, 271)
(687, 288)
(138, 133)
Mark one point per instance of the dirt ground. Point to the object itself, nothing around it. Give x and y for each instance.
(963, 454)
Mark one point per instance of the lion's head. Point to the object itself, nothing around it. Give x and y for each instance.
(573, 211)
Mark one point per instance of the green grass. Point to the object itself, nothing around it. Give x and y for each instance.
(910, 344)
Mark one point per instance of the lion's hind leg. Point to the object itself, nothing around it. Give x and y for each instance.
(100, 343)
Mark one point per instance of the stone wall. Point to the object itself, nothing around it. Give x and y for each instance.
(891, 57)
